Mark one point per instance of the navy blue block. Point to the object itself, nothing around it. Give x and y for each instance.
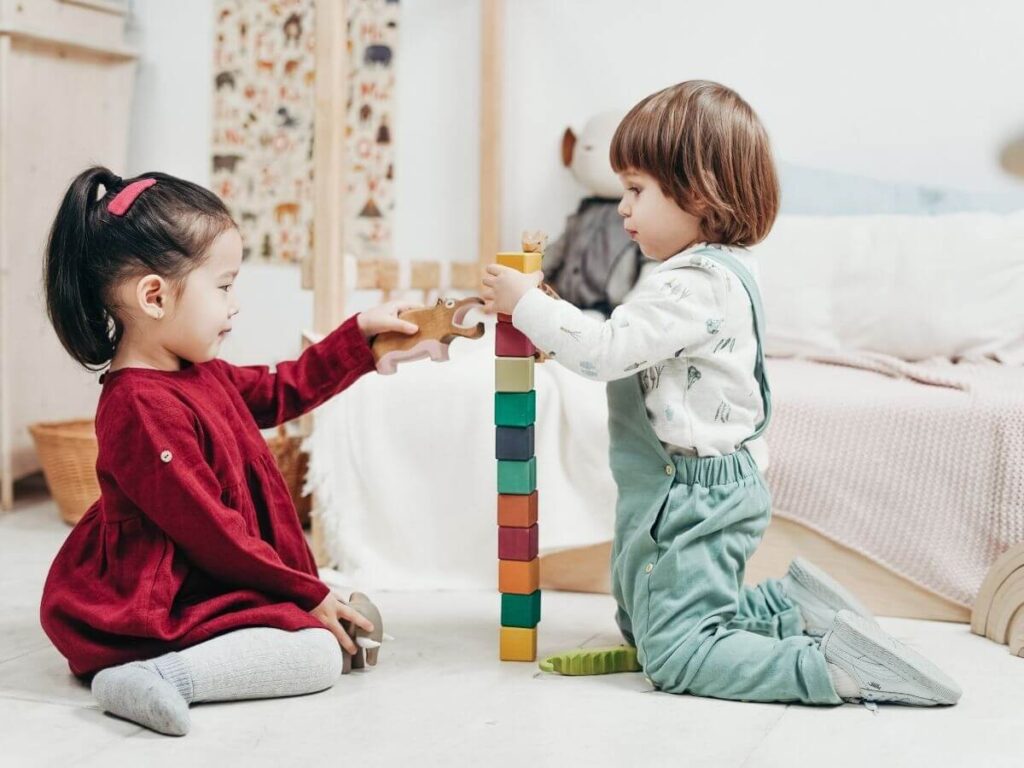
(514, 443)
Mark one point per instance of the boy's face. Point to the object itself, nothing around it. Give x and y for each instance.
(659, 226)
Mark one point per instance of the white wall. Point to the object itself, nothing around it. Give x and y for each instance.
(171, 132)
(915, 90)
(910, 91)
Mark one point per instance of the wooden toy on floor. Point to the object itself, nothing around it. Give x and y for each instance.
(368, 642)
(998, 612)
(438, 326)
(515, 409)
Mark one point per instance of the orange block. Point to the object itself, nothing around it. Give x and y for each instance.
(516, 511)
(519, 577)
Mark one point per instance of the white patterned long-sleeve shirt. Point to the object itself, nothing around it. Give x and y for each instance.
(687, 329)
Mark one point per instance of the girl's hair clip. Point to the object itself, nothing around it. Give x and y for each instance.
(123, 200)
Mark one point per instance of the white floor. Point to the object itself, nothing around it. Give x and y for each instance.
(440, 697)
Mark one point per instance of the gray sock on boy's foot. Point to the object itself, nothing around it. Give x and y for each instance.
(846, 685)
(818, 596)
(154, 693)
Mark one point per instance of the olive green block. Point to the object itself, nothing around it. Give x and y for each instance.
(513, 374)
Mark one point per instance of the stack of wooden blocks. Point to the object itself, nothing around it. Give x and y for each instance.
(515, 406)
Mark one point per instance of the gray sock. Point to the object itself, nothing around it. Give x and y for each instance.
(255, 663)
(263, 663)
(153, 693)
(846, 685)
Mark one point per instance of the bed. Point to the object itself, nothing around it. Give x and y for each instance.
(904, 478)
(410, 504)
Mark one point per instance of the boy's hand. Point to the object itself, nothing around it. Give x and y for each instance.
(331, 610)
(504, 287)
(385, 318)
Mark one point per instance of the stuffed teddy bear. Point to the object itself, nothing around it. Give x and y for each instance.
(594, 264)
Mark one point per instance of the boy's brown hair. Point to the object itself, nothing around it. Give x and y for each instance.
(709, 153)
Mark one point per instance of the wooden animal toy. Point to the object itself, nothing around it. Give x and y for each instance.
(534, 242)
(438, 326)
(368, 642)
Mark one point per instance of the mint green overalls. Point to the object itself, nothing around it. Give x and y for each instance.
(684, 529)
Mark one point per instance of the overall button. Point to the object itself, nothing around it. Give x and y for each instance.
(166, 456)
(669, 469)
(648, 568)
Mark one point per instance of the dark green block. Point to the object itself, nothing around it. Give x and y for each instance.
(517, 476)
(520, 610)
(515, 409)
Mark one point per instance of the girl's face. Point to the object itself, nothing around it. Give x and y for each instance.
(202, 313)
(659, 226)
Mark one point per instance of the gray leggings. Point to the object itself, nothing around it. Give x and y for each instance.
(255, 663)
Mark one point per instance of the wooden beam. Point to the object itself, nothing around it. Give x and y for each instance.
(6, 445)
(491, 75)
(331, 95)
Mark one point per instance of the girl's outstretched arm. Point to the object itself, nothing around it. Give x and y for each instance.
(297, 386)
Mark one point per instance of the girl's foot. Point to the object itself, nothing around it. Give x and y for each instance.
(138, 692)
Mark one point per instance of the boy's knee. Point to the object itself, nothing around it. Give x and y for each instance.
(668, 658)
(665, 675)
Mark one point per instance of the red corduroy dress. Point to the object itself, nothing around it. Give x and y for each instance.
(195, 533)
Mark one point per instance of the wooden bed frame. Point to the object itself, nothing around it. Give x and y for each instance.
(586, 568)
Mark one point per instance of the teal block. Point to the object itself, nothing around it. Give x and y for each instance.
(519, 477)
(520, 610)
(515, 409)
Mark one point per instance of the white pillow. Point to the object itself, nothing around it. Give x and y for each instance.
(915, 287)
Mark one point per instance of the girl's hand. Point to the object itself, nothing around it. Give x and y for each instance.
(385, 318)
(332, 609)
(504, 287)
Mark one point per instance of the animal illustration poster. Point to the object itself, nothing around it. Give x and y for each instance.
(264, 91)
(369, 194)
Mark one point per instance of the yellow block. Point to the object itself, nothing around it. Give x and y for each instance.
(524, 262)
(518, 644)
(513, 374)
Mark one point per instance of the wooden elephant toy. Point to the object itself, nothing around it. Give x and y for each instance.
(368, 642)
(438, 326)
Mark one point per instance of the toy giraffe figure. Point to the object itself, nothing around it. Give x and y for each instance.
(515, 407)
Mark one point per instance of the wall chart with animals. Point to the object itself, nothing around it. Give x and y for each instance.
(262, 144)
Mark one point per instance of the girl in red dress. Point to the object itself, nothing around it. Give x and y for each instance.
(189, 579)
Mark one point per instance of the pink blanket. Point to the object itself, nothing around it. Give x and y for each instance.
(918, 466)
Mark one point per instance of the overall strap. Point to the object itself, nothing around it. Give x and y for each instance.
(734, 265)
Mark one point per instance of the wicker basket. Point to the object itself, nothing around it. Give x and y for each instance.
(67, 450)
(293, 463)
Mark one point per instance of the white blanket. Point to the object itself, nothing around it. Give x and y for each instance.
(919, 466)
(405, 479)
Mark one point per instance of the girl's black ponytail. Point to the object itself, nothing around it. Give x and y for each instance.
(167, 231)
(74, 283)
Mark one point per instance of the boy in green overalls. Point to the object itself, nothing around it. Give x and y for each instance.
(688, 397)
